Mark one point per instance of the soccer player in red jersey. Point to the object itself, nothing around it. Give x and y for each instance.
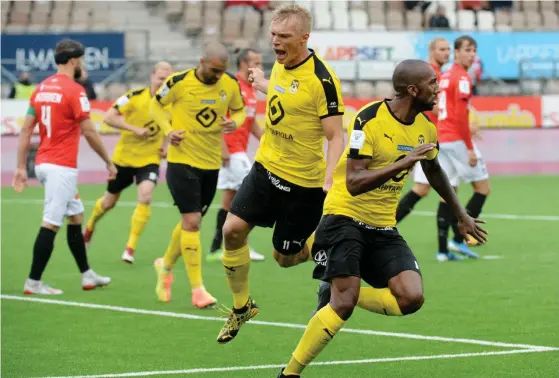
(439, 53)
(232, 175)
(459, 157)
(61, 108)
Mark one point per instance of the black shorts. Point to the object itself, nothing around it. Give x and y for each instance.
(125, 177)
(192, 189)
(266, 200)
(345, 247)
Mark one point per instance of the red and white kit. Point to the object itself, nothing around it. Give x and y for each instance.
(453, 129)
(231, 177)
(60, 104)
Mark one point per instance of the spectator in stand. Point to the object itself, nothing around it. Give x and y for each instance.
(439, 19)
(87, 85)
(23, 89)
(410, 5)
(504, 4)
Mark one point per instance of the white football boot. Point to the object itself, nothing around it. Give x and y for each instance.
(91, 280)
(38, 287)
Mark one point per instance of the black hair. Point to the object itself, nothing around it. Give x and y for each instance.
(243, 54)
(66, 50)
(460, 41)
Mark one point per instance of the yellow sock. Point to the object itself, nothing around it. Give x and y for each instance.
(174, 249)
(192, 255)
(237, 263)
(97, 214)
(321, 329)
(140, 218)
(380, 301)
(309, 244)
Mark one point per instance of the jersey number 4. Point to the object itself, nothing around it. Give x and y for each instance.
(45, 118)
(443, 113)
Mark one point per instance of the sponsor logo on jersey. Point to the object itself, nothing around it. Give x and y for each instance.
(279, 89)
(402, 147)
(49, 97)
(281, 134)
(208, 102)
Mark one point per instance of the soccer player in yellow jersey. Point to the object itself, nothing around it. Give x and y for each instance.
(357, 238)
(200, 99)
(286, 186)
(137, 157)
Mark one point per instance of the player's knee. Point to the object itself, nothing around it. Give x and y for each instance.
(233, 232)
(421, 190)
(145, 198)
(482, 187)
(283, 260)
(109, 201)
(191, 222)
(411, 301)
(344, 302)
(75, 219)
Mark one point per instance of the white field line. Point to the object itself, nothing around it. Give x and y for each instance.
(552, 218)
(279, 366)
(271, 324)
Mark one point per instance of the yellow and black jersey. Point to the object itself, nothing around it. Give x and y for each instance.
(132, 150)
(376, 134)
(198, 108)
(298, 98)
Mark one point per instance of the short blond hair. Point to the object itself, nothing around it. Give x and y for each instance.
(303, 15)
(434, 42)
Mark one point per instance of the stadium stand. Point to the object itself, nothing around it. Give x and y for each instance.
(177, 28)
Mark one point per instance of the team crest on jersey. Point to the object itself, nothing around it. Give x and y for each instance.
(222, 95)
(421, 139)
(294, 86)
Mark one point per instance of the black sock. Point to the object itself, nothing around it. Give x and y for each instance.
(454, 224)
(77, 246)
(475, 204)
(42, 250)
(218, 237)
(406, 205)
(443, 223)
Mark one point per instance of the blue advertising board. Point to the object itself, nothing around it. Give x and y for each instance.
(503, 53)
(104, 53)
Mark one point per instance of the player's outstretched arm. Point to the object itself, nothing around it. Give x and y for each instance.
(360, 179)
(334, 132)
(439, 181)
(92, 136)
(20, 176)
(114, 119)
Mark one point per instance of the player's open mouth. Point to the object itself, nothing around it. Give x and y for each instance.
(281, 54)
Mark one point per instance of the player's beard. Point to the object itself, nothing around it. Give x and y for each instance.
(77, 73)
(422, 105)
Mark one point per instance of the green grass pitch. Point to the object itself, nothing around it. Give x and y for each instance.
(510, 301)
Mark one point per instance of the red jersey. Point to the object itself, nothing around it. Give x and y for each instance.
(438, 72)
(237, 141)
(60, 105)
(454, 106)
